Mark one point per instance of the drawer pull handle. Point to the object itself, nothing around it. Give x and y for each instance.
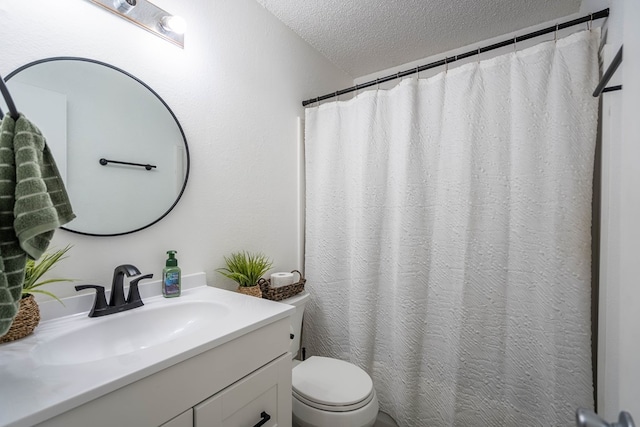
(265, 417)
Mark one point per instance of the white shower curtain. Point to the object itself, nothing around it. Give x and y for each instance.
(448, 238)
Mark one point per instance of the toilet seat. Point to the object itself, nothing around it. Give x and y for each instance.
(329, 408)
(331, 385)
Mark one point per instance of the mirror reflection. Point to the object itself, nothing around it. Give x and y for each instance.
(119, 147)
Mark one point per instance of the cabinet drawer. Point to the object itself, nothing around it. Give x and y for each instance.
(266, 393)
(183, 420)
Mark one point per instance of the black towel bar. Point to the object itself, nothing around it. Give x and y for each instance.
(147, 166)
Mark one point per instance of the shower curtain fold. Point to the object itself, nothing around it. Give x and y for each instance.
(448, 227)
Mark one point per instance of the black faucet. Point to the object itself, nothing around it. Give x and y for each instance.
(117, 301)
(117, 284)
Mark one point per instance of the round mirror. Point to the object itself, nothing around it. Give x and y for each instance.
(119, 148)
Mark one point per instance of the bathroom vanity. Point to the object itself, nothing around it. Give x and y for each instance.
(225, 362)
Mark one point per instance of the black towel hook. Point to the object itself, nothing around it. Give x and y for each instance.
(13, 111)
(617, 60)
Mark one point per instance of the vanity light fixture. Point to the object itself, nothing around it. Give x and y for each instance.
(148, 16)
(174, 24)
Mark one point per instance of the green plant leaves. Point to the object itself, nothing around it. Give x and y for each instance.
(245, 268)
(34, 271)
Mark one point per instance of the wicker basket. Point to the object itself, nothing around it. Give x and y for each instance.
(253, 291)
(283, 292)
(25, 321)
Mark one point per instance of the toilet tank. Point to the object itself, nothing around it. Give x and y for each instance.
(298, 301)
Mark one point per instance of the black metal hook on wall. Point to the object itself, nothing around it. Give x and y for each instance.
(615, 63)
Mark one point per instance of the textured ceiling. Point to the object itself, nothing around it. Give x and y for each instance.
(365, 36)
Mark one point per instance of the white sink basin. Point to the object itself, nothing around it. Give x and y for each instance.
(72, 359)
(129, 331)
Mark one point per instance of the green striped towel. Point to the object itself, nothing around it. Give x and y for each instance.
(33, 191)
(12, 257)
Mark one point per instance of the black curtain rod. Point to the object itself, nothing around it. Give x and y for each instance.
(597, 15)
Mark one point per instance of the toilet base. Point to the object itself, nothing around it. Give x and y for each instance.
(306, 416)
(385, 420)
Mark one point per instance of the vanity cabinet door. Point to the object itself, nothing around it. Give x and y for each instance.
(183, 420)
(262, 398)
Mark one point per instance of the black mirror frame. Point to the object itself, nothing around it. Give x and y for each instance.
(184, 138)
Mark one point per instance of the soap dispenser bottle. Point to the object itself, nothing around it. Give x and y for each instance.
(171, 280)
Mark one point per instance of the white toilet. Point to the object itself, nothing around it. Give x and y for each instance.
(328, 392)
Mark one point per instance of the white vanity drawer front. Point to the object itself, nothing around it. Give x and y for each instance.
(183, 420)
(264, 394)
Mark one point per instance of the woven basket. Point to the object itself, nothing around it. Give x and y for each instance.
(25, 321)
(283, 292)
(253, 291)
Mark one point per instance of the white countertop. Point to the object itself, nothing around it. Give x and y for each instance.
(34, 389)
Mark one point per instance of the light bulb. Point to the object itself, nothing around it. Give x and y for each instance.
(174, 24)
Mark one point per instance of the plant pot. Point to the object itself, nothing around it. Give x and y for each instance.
(25, 321)
(254, 290)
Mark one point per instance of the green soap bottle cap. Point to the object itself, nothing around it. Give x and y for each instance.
(172, 261)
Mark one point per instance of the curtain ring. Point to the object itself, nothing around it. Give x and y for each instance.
(336, 96)
(590, 23)
(478, 55)
(446, 65)
(377, 85)
(398, 75)
(418, 72)
(515, 44)
(555, 37)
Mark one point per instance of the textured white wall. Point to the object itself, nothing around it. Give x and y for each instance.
(629, 216)
(619, 353)
(401, 30)
(609, 302)
(236, 88)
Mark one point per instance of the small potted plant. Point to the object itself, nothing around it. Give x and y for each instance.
(28, 315)
(246, 269)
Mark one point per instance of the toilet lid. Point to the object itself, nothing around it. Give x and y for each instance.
(331, 382)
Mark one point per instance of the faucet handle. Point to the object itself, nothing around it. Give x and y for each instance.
(134, 299)
(100, 303)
